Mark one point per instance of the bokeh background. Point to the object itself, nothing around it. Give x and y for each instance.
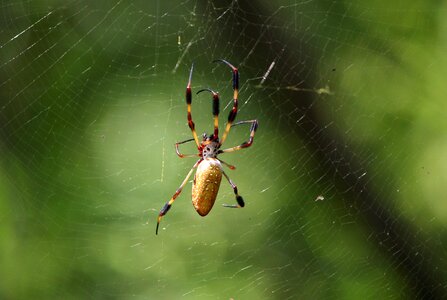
(345, 184)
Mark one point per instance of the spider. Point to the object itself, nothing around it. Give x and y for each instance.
(209, 168)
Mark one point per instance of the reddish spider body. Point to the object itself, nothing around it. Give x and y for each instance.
(209, 168)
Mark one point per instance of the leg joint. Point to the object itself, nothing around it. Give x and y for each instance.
(165, 209)
(191, 124)
(188, 95)
(232, 115)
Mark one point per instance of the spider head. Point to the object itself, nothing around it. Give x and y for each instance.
(210, 146)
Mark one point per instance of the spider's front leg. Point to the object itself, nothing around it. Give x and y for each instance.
(233, 112)
(168, 204)
(188, 97)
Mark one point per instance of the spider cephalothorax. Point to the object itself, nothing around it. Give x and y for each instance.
(209, 168)
(209, 148)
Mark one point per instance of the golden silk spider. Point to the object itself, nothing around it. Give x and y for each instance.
(209, 168)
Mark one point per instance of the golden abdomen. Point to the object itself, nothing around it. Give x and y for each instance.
(206, 185)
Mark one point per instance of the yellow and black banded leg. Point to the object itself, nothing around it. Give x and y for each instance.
(239, 200)
(177, 150)
(253, 127)
(215, 112)
(233, 112)
(168, 204)
(188, 103)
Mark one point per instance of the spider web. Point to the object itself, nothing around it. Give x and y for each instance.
(344, 184)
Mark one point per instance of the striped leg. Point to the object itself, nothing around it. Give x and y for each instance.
(168, 204)
(253, 127)
(233, 112)
(215, 111)
(177, 150)
(188, 103)
(240, 201)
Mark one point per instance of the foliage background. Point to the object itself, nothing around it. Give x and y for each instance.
(353, 110)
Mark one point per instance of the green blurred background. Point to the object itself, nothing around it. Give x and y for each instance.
(352, 110)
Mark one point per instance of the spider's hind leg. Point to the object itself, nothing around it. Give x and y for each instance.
(239, 200)
(168, 204)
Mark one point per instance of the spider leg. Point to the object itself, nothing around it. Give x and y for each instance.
(227, 164)
(215, 112)
(233, 112)
(240, 201)
(253, 127)
(177, 150)
(168, 204)
(188, 103)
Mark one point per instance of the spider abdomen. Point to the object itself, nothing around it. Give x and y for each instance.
(206, 185)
